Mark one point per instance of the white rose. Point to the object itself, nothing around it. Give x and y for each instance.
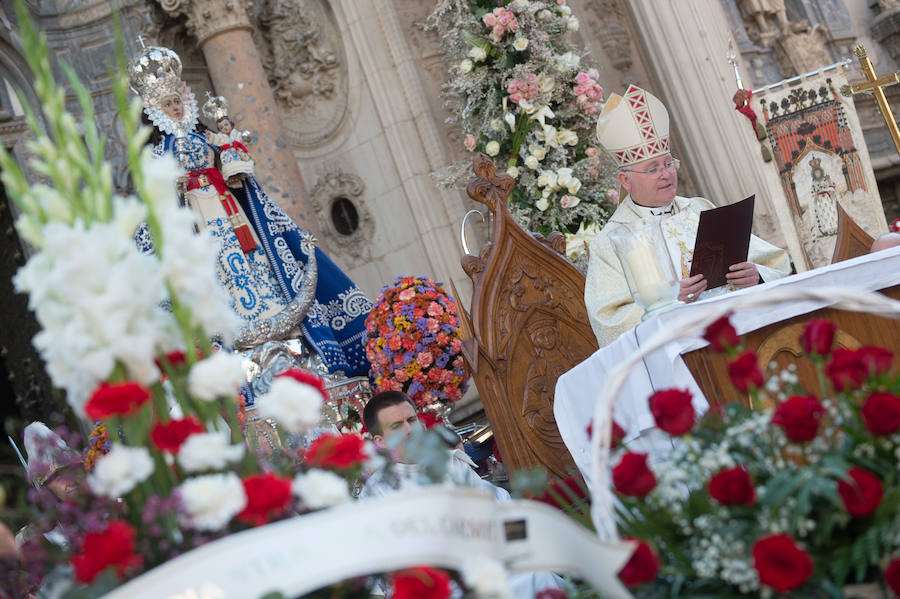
(496, 124)
(492, 148)
(513, 172)
(294, 405)
(531, 162)
(545, 15)
(208, 451)
(538, 151)
(120, 470)
(546, 83)
(211, 501)
(487, 577)
(320, 489)
(521, 43)
(542, 204)
(547, 179)
(465, 66)
(477, 53)
(218, 375)
(564, 10)
(572, 24)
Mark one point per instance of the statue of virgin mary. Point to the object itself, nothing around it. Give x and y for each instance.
(278, 281)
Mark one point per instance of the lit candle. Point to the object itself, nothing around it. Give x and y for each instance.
(650, 285)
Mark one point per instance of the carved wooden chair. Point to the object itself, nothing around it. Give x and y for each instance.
(527, 325)
(852, 240)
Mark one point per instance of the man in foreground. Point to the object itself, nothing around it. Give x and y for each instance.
(634, 130)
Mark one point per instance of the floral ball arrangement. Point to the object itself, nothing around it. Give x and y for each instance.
(414, 343)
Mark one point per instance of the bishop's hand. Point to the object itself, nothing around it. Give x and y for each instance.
(691, 288)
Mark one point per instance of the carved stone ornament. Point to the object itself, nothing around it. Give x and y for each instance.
(329, 188)
(528, 325)
(302, 54)
(608, 21)
(206, 18)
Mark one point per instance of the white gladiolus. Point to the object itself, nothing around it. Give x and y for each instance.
(569, 201)
(492, 148)
(211, 501)
(574, 186)
(465, 66)
(294, 405)
(478, 53)
(120, 470)
(510, 120)
(564, 176)
(543, 113)
(217, 376)
(521, 43)
(487, 577)
(567, 62)
(538, 151)
(532, 162)
(208, 451)
(320, 489)
(566, 136)
(547, 179)
(542, 204)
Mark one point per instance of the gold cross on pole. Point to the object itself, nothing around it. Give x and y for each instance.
(874, 85)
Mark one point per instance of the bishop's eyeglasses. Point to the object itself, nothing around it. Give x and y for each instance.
(669, 165)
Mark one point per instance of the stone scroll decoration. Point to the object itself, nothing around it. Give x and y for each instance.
(822, 163)
(527, 325)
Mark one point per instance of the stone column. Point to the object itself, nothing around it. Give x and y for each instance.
(223, 31)
(686, 45)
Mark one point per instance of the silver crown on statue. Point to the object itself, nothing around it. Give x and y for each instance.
(215, 108)
(155, 73)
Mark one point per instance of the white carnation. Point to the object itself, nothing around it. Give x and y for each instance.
(294, 405)
(487, 577)
(211, 501)
(218, 375)
(320, 489)
(492, 148)
(120, 470)
(521, 43)
(208, 451)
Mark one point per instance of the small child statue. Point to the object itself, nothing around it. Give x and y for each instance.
(236, 161)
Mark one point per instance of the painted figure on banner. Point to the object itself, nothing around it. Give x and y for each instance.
(634, 130)
(263, 257)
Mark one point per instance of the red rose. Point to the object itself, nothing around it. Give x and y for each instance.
(113, 546)
(846, 369)
(116, 399)
(302, 376)
(551, 594)
(641, 567)
(780, 563)
(877, 359)
(799, 416)
(170, 436)
(881, 413)
(862, 496)
(672, 410)
(340, 452)
(632, 476)
(562, 493)
(618, 433)
(732, 487)
(745, 372)
(721, 335)
(268, 495)
(892, 575)
(818, 337)
(421, 582)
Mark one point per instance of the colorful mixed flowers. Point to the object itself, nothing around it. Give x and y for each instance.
(414, 344)
(798, 494)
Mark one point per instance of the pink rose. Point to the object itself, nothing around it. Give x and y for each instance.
(407, 294)
(613, 195)
(490, 19)
(470, 144)
(591, 152)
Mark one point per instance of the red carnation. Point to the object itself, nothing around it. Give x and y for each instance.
(618, 433)
(877, 359)
(780, 563)
(818, 337)
(632, 476)
(268, 495)
(745, 372)
(428, 419)
(420, 582)
(732, 487)
(116, 399)
(340, 452)
(641, 567)
(881, 413)
(846, 369)
(551, 594)
(799, 416)
(113, 546)
(672, 410)
(892, 575)
(862, 496)
(721, 335)
(308, 378)
(170, 436)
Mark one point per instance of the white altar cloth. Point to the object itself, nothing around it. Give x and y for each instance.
(577, 389)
